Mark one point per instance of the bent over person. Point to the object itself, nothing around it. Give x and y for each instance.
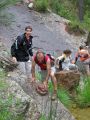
(21, 49)
(43, 61)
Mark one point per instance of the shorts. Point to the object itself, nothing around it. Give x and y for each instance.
(44, 73)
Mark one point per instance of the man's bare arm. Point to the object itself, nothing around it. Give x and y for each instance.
(48, 70)
(33, 69)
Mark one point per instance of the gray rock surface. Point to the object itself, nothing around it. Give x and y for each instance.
(49, 33)
(51, 109)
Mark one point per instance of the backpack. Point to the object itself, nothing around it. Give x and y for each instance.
(52, 59)
(16, 41)
(58, 63)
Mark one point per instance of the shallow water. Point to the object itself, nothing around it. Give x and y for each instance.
(81, 113)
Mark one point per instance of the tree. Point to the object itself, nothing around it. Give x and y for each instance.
(81, 9)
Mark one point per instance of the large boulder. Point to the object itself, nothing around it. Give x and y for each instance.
(68, 79)
(17, 102)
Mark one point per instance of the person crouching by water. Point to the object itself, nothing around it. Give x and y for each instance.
(21, 49)
(43, 61)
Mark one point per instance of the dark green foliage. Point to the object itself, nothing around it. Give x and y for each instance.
(83, 93)
(41, 5)
(63, 8)
(42, 117)
(69, 9)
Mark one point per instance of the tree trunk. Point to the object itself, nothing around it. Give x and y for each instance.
(81, 9)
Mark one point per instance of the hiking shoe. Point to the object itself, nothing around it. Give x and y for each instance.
(54, 96)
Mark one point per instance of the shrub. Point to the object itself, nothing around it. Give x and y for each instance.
(75, 28)
(55, 6)
(62, 94)
(41, 5)
(83, 93)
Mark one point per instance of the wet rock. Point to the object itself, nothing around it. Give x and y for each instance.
(68, 79)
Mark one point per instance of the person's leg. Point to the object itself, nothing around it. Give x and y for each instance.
(21, 67)
(54, 81)
(28, 69)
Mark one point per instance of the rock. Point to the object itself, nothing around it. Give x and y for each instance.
(16, 101)
(5, 59)
(44, 103)
(26, 1)
(68, 79)
(30, 5)
(21, 104)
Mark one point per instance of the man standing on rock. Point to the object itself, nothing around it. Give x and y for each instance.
(21, 49)
(44, 62)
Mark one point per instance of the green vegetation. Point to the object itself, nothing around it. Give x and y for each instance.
(7, 100)
(63, 8)
(82, 97)
(83, 93)
(68, 9)
(38, 76)
(62, 94)
(42, 117)
(41, 5)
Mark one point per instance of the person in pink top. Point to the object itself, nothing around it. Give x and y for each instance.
(44, 62)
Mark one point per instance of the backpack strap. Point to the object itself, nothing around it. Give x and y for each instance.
(16, 44)
(21, 38)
